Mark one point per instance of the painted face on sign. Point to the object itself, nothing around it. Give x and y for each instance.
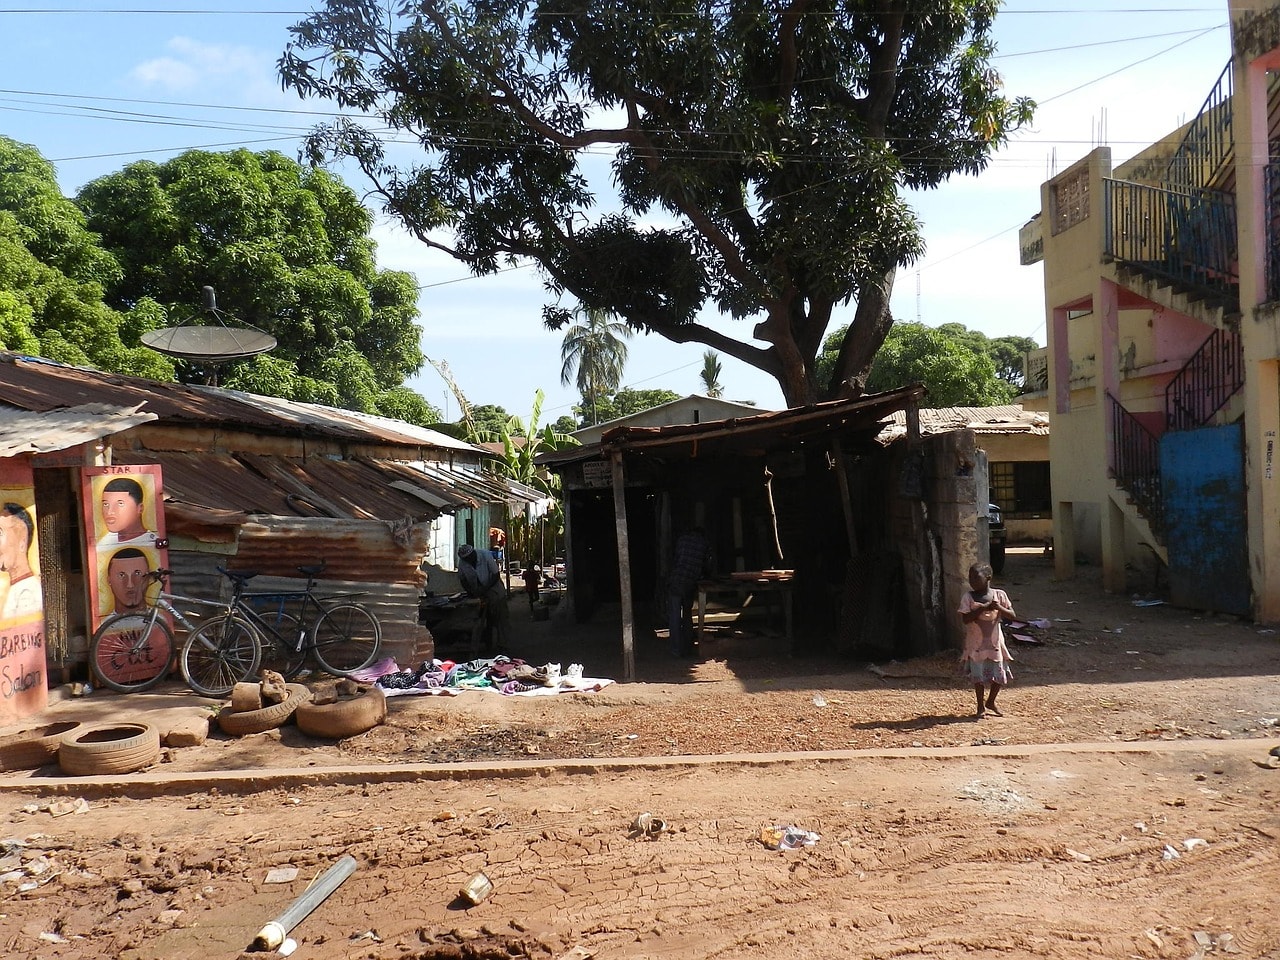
(14, 540)
(127, 577)
(122, 514)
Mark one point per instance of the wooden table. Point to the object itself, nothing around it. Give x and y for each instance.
(746, 584)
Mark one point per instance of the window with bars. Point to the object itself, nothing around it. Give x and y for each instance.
(1021, 488)
(1071, 200)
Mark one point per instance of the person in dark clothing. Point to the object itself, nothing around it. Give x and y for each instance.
(478, 574)
(692, 562)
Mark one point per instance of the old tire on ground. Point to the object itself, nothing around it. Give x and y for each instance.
(343, 718)
(245, 696)
(34, 748)
(107, 748)
(239, 724)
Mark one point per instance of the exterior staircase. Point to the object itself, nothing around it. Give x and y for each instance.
(1175, 244)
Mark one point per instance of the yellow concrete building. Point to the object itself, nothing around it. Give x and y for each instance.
(1162, 302)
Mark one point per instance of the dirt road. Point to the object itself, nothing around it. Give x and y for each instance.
(1125, 807)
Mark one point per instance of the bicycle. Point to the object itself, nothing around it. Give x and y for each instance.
(343, 638)
(132, 652)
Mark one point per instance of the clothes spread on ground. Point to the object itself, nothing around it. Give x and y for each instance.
(499, 674)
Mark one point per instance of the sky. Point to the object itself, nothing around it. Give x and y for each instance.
(97, 85)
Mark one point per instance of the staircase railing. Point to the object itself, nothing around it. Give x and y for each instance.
(1271, 214)
(1206, 382)
(1208, 140)
(1137, 464)
(1186, 237)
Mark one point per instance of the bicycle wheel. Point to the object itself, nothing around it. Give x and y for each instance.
(219, 654)
(282, 652)
(131, 652)
(346, 638)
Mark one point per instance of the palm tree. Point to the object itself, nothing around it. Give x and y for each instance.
(596, 349)
(711, 374)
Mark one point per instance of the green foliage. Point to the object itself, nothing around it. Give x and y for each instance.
(51, 276)
(624, 403)
(596, 348)
(522, 442)
(954, 363)
(710, 375)
(565, 424)
(758, 151)
(489, 421)
(287, 250)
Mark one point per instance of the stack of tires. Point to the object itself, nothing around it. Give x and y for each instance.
(343, 717)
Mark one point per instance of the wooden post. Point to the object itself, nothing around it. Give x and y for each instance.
(842, 478)
(624, 567)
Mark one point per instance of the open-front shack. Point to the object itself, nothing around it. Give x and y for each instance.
(872, 543)
(212, 478)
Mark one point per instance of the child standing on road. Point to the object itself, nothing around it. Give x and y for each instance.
(986, 658)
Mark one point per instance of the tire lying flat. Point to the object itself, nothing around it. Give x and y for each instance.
(34, 748)
(109, 748)
(244, 722)
(343, 718)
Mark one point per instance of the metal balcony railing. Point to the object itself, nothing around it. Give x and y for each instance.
(1208, 140)
(1206, 382)
(1185, 237)
(1136, 466)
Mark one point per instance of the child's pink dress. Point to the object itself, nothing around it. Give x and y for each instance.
(986, 658)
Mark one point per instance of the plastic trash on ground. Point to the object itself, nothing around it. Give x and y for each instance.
(786, 837)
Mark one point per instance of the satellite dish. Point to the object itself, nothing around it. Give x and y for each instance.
(209, 344)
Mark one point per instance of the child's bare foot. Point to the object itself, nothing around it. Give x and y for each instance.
(993, 710)
(980, 714)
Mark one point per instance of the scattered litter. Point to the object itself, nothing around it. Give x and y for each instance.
(287, 947)
(1040, 624)
(1140, 827)
(367, 935)
(60, 808)
(1266, 631)
(282, 875)
(475, 890)
(1024, 638)
(1077, 855)
(1169, 853)
(1133, 653)
(1193, 843)
(1147, 603)
(786, 837)
(1066, 619)
(1269, 721)
(873, 668)
(818, 701)
(53, 937)
(647, 825)
(1208, 943)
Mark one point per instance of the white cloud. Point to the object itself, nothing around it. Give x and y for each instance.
(190, 64)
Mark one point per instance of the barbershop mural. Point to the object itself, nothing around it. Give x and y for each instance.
(23, 680)
(124, 523)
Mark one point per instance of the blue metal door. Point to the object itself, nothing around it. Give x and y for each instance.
(1202, 473)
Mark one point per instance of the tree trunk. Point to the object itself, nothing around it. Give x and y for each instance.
(871, 323)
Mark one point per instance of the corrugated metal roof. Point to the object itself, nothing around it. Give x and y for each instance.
(38, 385)
(1010, 418)
(774, 429)
(229, 488)
(25, 431)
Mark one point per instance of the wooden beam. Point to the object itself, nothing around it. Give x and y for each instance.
(624, 566)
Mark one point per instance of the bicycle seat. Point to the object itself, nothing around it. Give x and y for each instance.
(313, 569)
(239, 576)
